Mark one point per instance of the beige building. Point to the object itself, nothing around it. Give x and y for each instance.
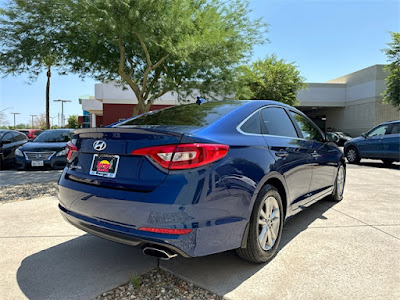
(351, 103)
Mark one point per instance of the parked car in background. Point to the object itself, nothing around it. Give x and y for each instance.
(381, 142)
(10, 140)
(200, 179)
(31, 133)
(342, 137)
(48, 149)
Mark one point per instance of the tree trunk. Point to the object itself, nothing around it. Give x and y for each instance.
(48, 98)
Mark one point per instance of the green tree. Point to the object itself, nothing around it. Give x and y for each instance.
(73, 122)
(272, 79)
(154, 47)
(30, 39)
(392, 93)
(21, 126)
(3, 119)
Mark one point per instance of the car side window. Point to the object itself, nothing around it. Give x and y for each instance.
(309, 131)
(15, 136)
(252, 125)
(393, 129)
(18, 136)
(275, 121)
(21, 137)
(380, 130)
(7, 137)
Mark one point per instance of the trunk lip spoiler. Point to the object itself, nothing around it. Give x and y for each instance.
(127, 130)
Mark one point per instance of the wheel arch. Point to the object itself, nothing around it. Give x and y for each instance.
(277, 180)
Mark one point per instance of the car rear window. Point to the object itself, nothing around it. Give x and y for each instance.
(55, 136)
(187, 115)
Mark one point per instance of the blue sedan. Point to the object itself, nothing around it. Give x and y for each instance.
(199, 179)
(381, 142)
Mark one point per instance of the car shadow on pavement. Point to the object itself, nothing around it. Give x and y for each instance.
(224, 272)
(86, 266)
(80, 268)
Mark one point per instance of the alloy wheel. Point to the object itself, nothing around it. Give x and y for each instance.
(351, 155)
(340, 181)
(268, 223)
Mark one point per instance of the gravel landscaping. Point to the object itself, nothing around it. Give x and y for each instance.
(28, 191)
(157, 284)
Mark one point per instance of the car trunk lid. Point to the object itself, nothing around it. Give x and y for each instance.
(104, 157)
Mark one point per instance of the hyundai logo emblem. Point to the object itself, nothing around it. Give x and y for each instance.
(99, 145)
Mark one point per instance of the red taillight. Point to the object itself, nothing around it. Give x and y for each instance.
(166, 230)
(184, 156)
(71, 149)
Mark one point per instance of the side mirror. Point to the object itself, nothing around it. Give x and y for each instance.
(364, 135)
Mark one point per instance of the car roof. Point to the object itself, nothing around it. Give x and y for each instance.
(3, 131)
(58, 129)
(390, 122)
(233, 118)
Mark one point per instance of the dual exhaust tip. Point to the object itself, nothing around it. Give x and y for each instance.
(164, 254)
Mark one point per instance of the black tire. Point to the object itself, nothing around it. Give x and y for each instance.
(387, 162)
(254, 251)
(1, 163)
(337, 194)
(352, 155)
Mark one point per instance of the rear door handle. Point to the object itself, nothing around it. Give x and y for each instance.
(281, 153)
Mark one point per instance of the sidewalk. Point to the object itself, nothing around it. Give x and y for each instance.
(43, 257)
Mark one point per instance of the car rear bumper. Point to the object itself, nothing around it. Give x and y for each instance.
(115, 235)
(215, 225)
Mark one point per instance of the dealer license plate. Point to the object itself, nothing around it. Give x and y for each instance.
(104, 165)
(37, 163)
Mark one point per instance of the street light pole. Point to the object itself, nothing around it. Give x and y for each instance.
(52, 122)
(32, 119)
(62, 110)
(14, 113)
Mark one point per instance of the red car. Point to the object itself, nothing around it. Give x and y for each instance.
(30, 133)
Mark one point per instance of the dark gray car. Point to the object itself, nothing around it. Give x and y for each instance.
(10, 140)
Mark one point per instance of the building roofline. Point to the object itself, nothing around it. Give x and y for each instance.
(343, 79)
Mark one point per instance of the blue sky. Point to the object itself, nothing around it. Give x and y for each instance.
(325, 38)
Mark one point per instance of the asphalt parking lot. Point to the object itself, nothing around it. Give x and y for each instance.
(347, 250)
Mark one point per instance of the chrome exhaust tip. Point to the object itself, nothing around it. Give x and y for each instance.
(164, 254)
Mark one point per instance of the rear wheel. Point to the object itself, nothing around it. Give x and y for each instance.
(266, 224)
(1, 163)
(387, 162)
(340, 180)
(352, 155)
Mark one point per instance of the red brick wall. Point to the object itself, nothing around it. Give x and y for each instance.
(114, 112)
(99, 121)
